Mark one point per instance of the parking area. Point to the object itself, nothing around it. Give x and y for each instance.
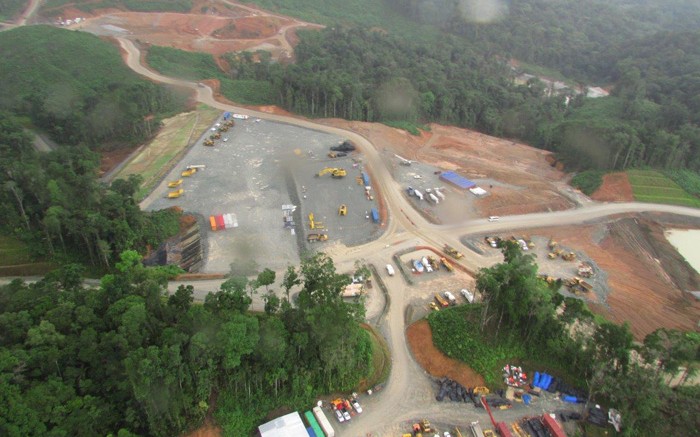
(250, 172)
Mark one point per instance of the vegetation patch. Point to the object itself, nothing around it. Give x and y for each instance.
(409, 126)
(54, 8)
(9, 9)
(655, 187)
(457, 333)
(381, 361)
(687, 179)
(588, 181)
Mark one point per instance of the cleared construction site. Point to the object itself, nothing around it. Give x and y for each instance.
(264, 192)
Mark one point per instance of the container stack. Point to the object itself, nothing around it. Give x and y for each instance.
(223, 221)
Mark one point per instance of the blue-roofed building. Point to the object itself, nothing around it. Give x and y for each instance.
(457, 180)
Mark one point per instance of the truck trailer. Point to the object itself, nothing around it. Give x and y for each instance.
(323, 422)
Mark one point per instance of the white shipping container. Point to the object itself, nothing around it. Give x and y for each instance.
(323, 421)
(228, 223)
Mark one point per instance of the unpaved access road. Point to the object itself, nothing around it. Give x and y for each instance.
(407, 395)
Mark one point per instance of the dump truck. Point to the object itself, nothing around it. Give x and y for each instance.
(447, 264)
(208, 142)
(215, 136)
(335, 172)
(343, 209)
(175, 194)
(316, 237)
(570, 256)
(453, 252)
(174, 184)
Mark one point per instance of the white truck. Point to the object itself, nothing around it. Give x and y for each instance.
(450, 297)
(324, 422)
(390, 269)
(418, 194)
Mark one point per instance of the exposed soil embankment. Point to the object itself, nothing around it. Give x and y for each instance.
(437, 364)
(184, 250)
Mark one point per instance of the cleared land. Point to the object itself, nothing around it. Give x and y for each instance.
(158, 157)
(616, 188)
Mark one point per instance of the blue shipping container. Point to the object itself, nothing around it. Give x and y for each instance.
(375, 215)
(365, 179)
(311, 432)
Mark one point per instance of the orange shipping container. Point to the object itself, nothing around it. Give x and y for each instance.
(212, 222)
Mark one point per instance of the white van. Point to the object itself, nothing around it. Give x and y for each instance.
(390, 269)
(493, 218)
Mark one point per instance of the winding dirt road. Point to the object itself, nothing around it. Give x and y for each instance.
(404, 395)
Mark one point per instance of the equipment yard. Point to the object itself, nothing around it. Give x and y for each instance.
(251, 171)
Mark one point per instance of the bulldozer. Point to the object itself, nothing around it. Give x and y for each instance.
(229, 123)
(481, 391)
(453, 252)
(335, 172)
(175, 184)
(175, 194)
(343, 210)
(208, 142)
(215, 136)
(316, 237)
(223, 128)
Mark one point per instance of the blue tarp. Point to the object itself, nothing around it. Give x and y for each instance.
(227, 115)
(455, 179)
(375, 215)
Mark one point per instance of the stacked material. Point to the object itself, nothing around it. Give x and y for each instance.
(223, 221)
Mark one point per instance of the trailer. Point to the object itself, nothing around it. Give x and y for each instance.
(314, 424)
(553, 426)
(365, 179)
(375, 215)
(418, 194)
(434, 198)
(476, 430)
(324, 422)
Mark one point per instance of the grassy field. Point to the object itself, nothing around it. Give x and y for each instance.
(381, 360)
(655, 187)
(15, 259)
(158, 157)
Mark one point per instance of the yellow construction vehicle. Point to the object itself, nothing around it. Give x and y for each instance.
(223, 129)
(343, 210)
(312, 223)
(316, 237)
(229, 123)
(175, 194)
(568, 256)
(447, 264)
(481, 391)
(453, 252)
(208, 142)
(216, 136)
(335, 172)
(189, 172)
(552, 244)
(174, 184)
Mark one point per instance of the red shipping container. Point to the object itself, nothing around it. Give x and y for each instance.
(553, 426)
(220, 222)
(503, 430)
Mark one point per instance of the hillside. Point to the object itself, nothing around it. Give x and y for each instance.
(76, 87)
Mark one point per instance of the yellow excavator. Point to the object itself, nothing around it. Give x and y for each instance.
(208, 142)
(189, 172)
(174, 184)
(335, 172)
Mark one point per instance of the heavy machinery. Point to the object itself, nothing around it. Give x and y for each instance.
(174, 184)
(175, 194)
(215, 136)
(313, 224)
(343, 209)
(311, 238)
(569, 256)
(585, 270)
(229, 123)
(577, 284)
(441, 300)
(453, 252)
(189, 172)
(481, 391)
(501, 427)
(336, 154)
(208, 142)
(447, 264)
(335, 172)
(223, 128)
(434, 263)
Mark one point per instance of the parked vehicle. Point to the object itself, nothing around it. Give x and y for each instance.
(390, 269)
(450, 298)
(324, 422)
(468, 295)
(356, 406)
(441, 301)
(339, 415)
(428, 266)
(494, 218)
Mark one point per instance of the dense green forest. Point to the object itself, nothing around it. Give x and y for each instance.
(11, 8)
(55, 203)
(75, 87)
(600, 361)
(126, 359)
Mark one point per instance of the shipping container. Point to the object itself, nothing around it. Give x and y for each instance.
(375, 215)
(323, 421)
(220, 222)
(314, 424)
(365, 179)
(212, 222)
